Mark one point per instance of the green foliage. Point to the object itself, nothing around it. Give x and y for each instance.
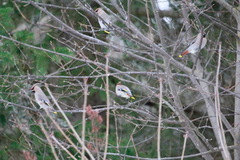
(12, 55)
(6, 61)
(6, 22)
(57, 59)
(24, 36)
(102, 94)
(2, 120)
(3, 154)
(42, 63)
(15, 145)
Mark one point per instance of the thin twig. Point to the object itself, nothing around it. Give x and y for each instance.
(222, 138)
(64, 148)
(62, 132)
(69, 123)
(108, 110)
(159, 120)
(184, 144)
(134, 146)
(48, 138)
(84, 115)
(116, 130)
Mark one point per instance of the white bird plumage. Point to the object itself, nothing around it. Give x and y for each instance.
(195, 45)
(123, 91)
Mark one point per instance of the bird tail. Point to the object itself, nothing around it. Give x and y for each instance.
(185, 52)
(132, 97)
(107, 32)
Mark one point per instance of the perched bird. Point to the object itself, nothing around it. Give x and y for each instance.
(123, 91)
(195, 45)
(41, 98)
(103, 16)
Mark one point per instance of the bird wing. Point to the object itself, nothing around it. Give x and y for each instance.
(192, 43)
(204, 42)
(45, 102)
(102, 25)
(196, 45)
(127, 91)
(106, 18)
(124, 90)
(42, 98)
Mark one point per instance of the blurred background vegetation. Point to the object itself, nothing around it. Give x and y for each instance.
(36, 48)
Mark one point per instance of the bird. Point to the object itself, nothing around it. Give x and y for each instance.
(195, 45)
(41, 98)
(123, 91)
(103, 16)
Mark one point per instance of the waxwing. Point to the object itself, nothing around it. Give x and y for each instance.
(123, 91)
(103, 16)
(41, 98)
(195, 45)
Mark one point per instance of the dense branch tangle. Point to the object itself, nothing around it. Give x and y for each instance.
(141, 48)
